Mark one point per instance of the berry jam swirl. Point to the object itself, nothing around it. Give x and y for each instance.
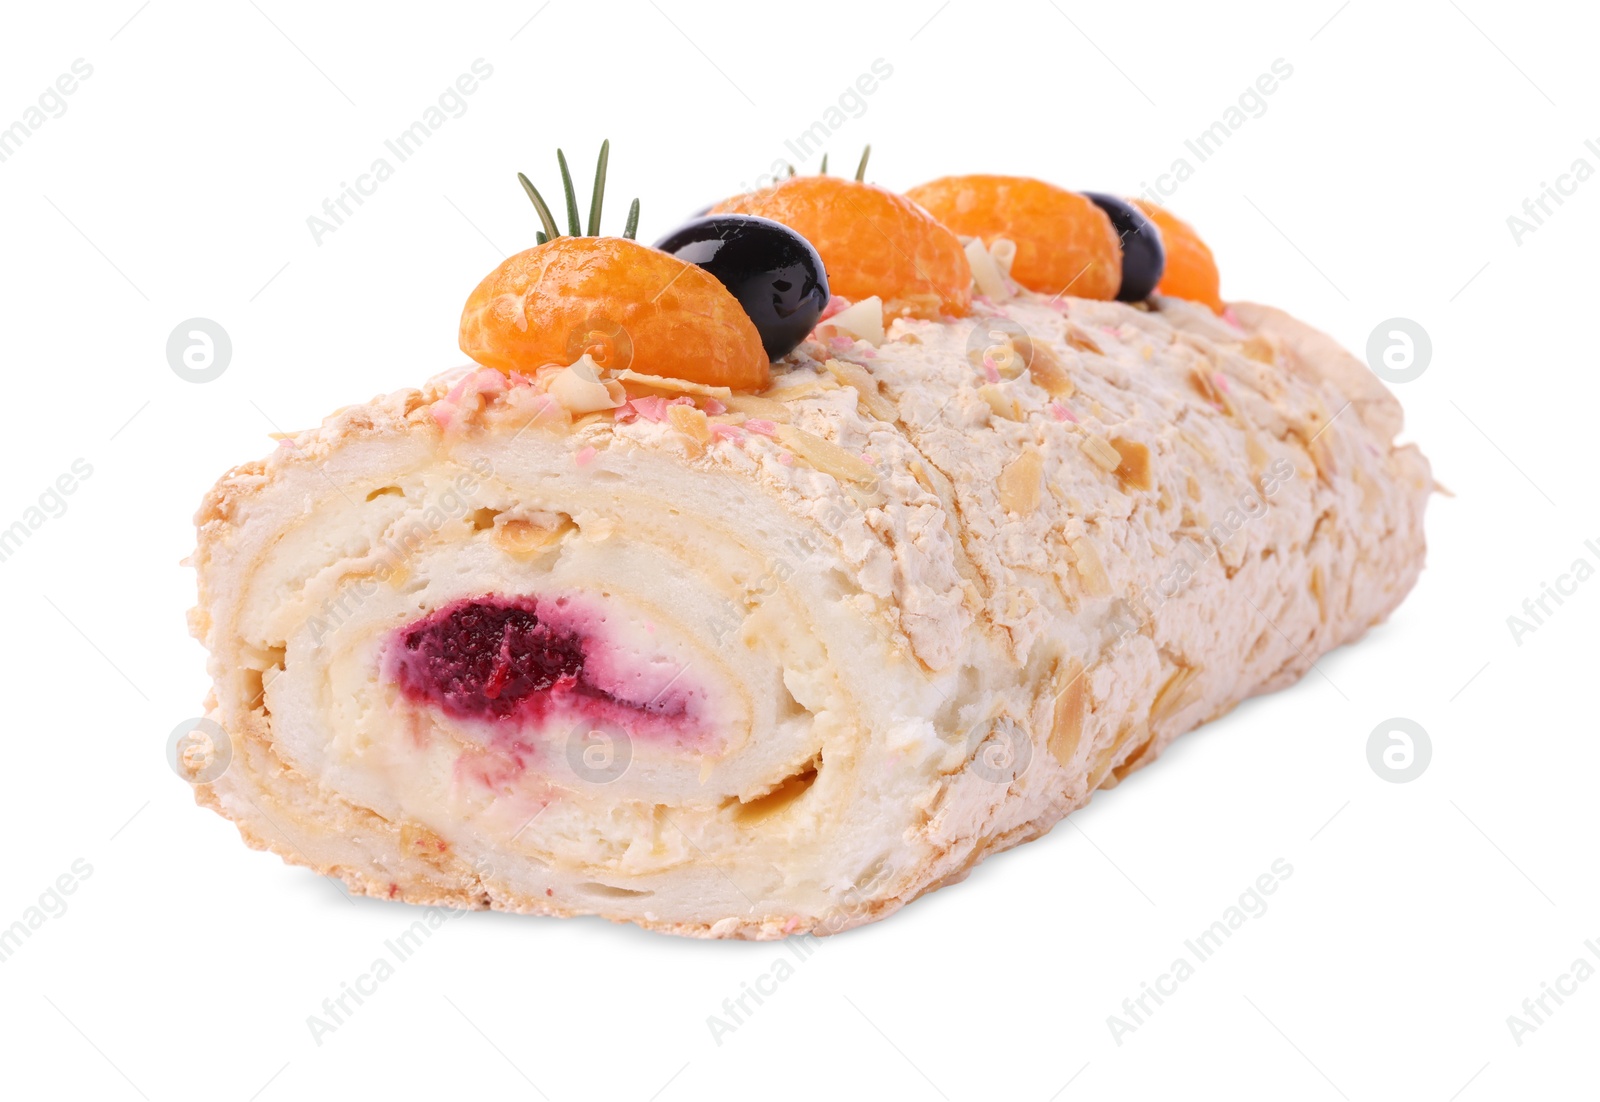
(518, 661)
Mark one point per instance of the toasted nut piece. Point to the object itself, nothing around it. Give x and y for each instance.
(1071, 688)
(1134, 470)
(1047, 371)
(692, 423)
(1020, 482)
(866, 387)
(823, 455)
(1090, 568)
(755, 405)
(1104, 455)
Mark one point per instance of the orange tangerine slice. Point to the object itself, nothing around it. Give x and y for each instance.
(625, 304)
(1191, 271)
(872, 242)
(1065, 244)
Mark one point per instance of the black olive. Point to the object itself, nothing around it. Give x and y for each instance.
(1144, 258)
(774, 272)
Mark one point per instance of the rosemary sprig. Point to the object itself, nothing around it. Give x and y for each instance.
(572, 199)
(823, 171)
(599, 192)
(596, 201)
(861, 169)
(545, 217)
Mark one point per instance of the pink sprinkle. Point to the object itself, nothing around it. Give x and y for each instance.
(714, 407)
(1062, 413)
(866, 457)
(285, 443)
(990, 370)
(443, 413)
(1108, 329)
(681, 400)
(841, 342)
(981, 300)
(585, 457)
(835, 305)
(726, 432)
(790, 926)
(651, 408)
(869, 354)
(1231, 318)
(786, 459)
(765, 428)
(1221, 380)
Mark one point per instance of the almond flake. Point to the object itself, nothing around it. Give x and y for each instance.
(827, 457)
(1001, 402)
(866, 388)
(674, 386)
(691, 422)
(1104, 455)
(1134, 470)
(755, 405)
(1090, 568)
(1048, 373)
(1071, 695)
(1020, 482)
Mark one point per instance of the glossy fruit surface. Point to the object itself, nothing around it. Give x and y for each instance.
(1144, 257)
(1191, 269)
(872, 242)
(774, 272)
(1065, 244)
(623, 303)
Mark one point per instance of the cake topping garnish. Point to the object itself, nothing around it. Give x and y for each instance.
(1065, 245)
(1191, 270)
(1143, 256)
(872, 242)
(622, 304)
(774, 272)
(596, 200)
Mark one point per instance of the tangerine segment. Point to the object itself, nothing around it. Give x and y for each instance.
(623, 303)
(1191, 271)
(1065, 244)
(872, 242)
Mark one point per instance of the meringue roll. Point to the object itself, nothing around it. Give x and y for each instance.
(750, 665)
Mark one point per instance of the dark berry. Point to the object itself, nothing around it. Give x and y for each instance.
(774, 272)
(483, 658)
(1143, 256)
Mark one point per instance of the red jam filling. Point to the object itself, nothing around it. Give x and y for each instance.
(517, 660)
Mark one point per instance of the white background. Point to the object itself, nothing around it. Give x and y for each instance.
(1377, 184)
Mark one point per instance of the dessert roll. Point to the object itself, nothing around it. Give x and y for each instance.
(751, 665)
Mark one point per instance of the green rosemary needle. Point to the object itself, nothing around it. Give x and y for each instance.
(573, 226)
(596, 201)
(550, 231)
(599, 188)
